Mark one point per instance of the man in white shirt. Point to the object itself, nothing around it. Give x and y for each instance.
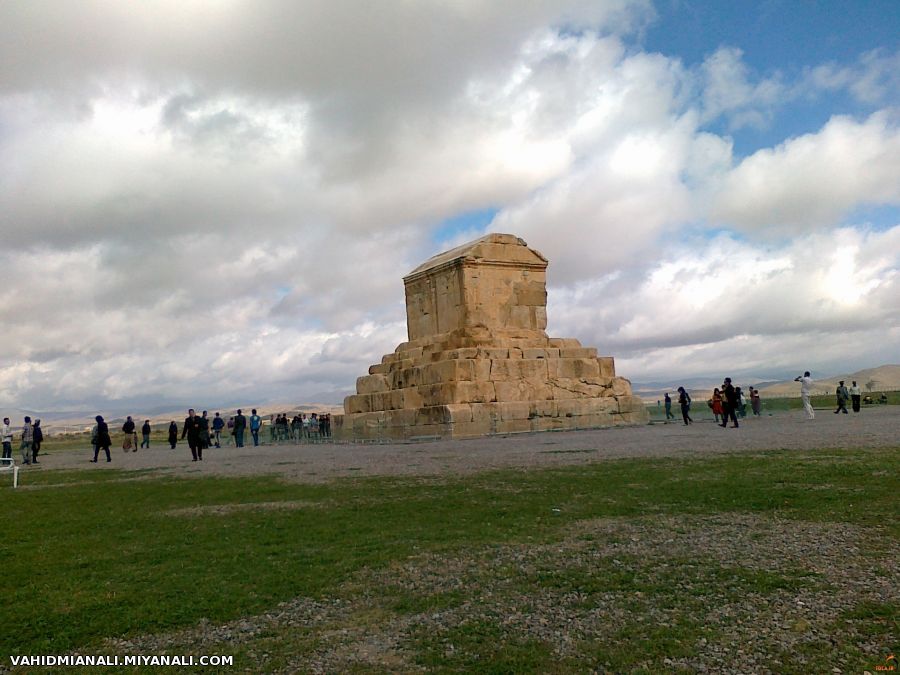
(6, 436)
(855, 396)
(805, 385)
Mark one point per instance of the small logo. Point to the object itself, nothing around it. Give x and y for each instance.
(889, 665)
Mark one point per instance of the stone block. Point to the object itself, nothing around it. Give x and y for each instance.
(514, 426)
(607, 366)
(597, 420)
(531, 293)
(447, 371)
(436, 414)
(536, 353)
(411, 354)
(401, 418)
(485, 412)
(573, 368)
(621, 387)
(493, 353)
(358, 403)
(578, 353)
(408, 377)
(472, 429)
(518, 410)
(459, 412)
(482, 370)
(564, 343)
(564, 388)
(522, 390)
(371, 384)
(379, 369)
(575, 407)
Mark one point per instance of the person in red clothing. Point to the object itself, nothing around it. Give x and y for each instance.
(717, 404)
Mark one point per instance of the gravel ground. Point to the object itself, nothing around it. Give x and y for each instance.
(819, 573)
(874, 427)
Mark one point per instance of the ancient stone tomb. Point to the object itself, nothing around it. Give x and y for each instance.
(479, 361)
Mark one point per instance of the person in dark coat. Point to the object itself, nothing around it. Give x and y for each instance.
(173, 434)
(204, 434)
(684, 401)
(103, 439)
(240, 424)
(729, 404)
(36, 440)
(130, 442)
(191, 429)
(145, 432)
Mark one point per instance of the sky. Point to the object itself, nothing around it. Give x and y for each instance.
(215, 201)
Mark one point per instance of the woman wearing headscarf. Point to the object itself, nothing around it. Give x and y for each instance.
(37, 435)
(103, 439)
(173, 434)
(685, 400)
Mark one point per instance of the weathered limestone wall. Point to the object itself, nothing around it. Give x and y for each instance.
(479, 361)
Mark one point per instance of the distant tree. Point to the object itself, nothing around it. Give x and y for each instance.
(870, 385)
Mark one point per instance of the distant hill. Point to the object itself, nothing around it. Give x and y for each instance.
(882, 378)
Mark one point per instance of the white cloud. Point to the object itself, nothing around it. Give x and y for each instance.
(873, 79)
(725, 305)
(727, 90)
(814, 180)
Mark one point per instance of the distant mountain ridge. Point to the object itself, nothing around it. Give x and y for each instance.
(882, 378)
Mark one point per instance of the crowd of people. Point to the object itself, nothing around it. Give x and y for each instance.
(202, 432)
(729, 402)
(32, 436)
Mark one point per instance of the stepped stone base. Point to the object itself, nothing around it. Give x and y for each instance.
(428, 391)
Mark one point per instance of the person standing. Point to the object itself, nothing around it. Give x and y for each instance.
(805, 386)
(684, 400)
(717, 404)
(669, 415)
(204, 434)
(6, 437)
(742, 402)
(173, 434)
(729, 404)
(191, 429)
(255, 424)
(27, 438)
(755, 402)
(218, 424)
(855, 396)
(130, 441)
(240, 424)
(36, 440)
(842, 396)
(103, 439)
(145, 433)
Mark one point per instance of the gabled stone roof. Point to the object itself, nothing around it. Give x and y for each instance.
(497, 248)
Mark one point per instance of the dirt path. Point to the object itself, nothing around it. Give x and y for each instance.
(875, 427)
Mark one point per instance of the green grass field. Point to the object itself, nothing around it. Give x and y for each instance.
(441, 569)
